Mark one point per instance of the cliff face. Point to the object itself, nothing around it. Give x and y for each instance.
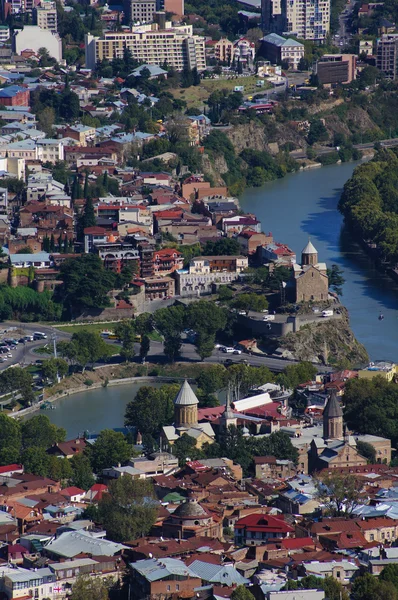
(328, 342)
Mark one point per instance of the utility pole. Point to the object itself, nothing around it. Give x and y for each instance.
(54, 339)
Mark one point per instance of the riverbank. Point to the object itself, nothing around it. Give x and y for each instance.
(95, 386)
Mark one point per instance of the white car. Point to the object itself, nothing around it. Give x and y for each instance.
(242, 312)
(218, 346)
(236, 351)
(228, 350)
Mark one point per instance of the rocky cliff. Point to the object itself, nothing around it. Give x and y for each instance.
(328, 342)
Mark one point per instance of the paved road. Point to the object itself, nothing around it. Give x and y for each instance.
(297, 154)
(343, 37)
(24, 354)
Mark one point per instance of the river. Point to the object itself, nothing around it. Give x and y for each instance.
(293, 208)
(305, 204)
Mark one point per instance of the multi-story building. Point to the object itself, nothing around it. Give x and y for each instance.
(14, 95)
(336, 68)
(177, 46)
(279, 49)
(306, 19)
(387, 54)
(34, 38)
(46, 16)
(116, 255)
(224, 50)
(206, 272)
(140, 11)
(53, 150)
(4, 33)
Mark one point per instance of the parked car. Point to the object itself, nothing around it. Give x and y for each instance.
(228, 350)
(237, 351)
(269, 318)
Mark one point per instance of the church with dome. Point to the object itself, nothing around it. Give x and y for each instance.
(310, 278)
(186, 420)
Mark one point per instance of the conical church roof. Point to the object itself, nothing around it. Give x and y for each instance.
(186, 396)
(309, 249)
(332, 408)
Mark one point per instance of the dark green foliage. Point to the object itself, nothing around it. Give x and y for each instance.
(85, 284)
(222, 247)
(370, 203)
(367, 450)
(109, 449)
(371, 406)
(151, 409)
(25, 304)
(129, 510)
(336, 279)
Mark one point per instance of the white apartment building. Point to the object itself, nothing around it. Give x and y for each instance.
(33, 38)
(4, 33)
(175, 45)
(46, 16)
(52, 150)
(307, 19)
(26, 149)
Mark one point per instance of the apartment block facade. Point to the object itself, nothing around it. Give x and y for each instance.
(306, 19)
(140, 10)
(177, 46)
(46, 16)
(387, 55)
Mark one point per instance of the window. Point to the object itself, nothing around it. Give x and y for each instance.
(177, 587)
(168, 588)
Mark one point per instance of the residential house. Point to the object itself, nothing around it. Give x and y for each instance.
(257, 529)
(269, 467)
(167, 260)
(159, 578)
(14, 95)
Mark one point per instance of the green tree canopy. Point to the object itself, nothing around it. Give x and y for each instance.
(129, 510)
(109, 449)
(39, 432)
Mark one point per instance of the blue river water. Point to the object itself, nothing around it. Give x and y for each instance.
(304, 205)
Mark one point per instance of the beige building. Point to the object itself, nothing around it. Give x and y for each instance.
(177, 46)
(186, 420)
(141, 11)
(224, 50)
(306, 19)
(310, 278)
(46, 16)
(380, 368)
(203, 274)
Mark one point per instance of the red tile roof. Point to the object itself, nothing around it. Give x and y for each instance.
(260, 522)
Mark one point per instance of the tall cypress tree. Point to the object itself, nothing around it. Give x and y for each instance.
(52, 243)
(85, 191)
(65, 250)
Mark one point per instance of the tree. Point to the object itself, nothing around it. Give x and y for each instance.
(367, 451)
(317, 132)
(109, 449)
(36, 461)
(368, 587)
(221, 247)
(88, 347)
(88, 218)
(128, 510)
(54, 366)
(144, 347)
(340, 493)
(225, 293)
(10, 439)
(82, 473)
(69, 106)
(46, 119)
(213, 379)
(206, 318)
(241, 593)
(185, 447)
(85, 284)
(39, 432)
(336, 279)
(251, 301)
(89, 588)
(151, 409)
(143, 323)
(125, 331)
(390, 573)
(172, 346)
